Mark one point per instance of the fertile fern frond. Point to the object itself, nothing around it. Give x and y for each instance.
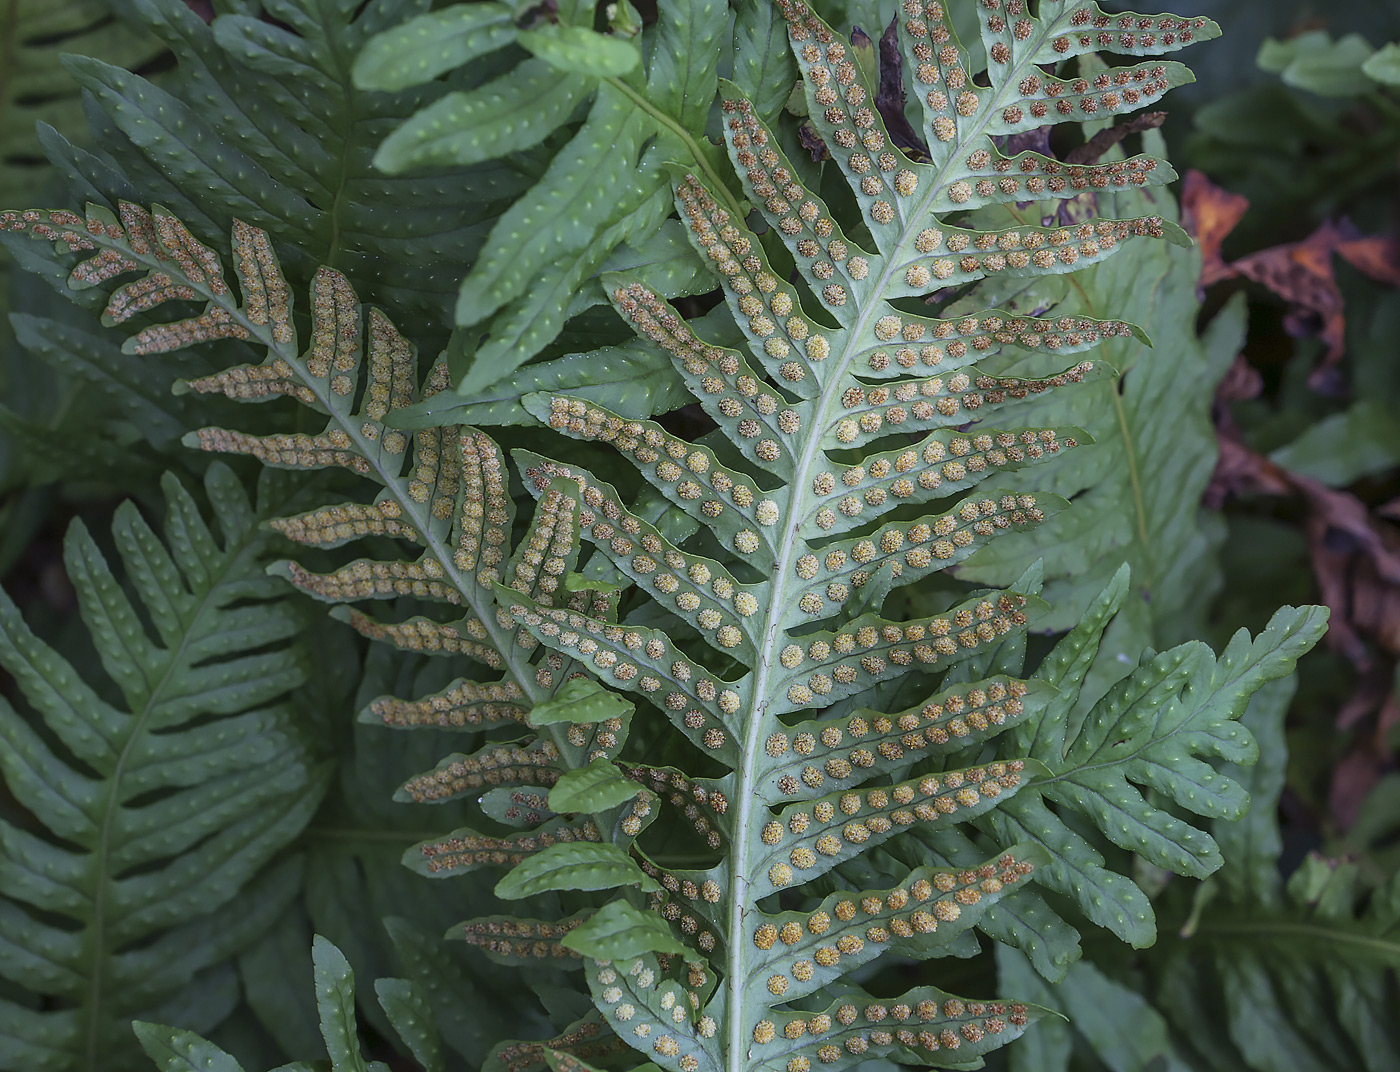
(443, 490)
(799, 501)
(153, 817)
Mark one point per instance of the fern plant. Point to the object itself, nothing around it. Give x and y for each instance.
(155, 802)
(810, 724)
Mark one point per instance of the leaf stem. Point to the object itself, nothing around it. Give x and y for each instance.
(715, 181)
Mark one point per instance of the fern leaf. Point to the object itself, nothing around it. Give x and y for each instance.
(795, 465)
(174, 1050)
(1146, 733)
(441, 491)
(157, 815)
(490, 121)
(1235, 983)
(603, 188)
(763, 65)
(432, 44)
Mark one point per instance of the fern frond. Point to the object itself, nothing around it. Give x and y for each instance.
(1154, 730)
(156, 815)
(1261, 972)
(441, 492)
(790, 610)
(604, 187)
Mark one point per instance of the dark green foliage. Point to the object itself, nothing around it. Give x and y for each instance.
(34, 88)
(159, 795)
(269, 116)
(719, 758)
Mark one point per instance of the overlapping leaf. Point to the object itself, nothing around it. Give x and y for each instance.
(441, 492)
(155, 815)
(1257, 973)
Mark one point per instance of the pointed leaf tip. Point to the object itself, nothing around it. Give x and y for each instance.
(617, 931)
(573, 48)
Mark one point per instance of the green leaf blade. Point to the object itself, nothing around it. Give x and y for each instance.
(577, 866)
(426, 46)
(617, 931)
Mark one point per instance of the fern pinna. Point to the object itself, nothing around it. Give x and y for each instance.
(442, 490)
(767, 549)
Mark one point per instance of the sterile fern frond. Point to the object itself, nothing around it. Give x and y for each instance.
(1258, 971)
(141, 872)
(404, 1004)
(1148, 740)
(1155, 448)
(606, 184)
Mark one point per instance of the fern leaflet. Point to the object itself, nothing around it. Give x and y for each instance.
(766, 549)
